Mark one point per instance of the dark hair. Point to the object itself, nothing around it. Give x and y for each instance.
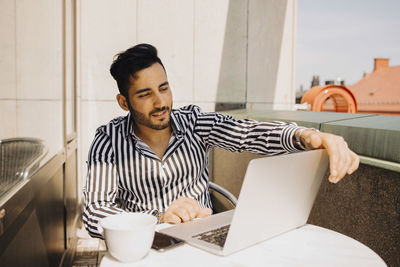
(126, 64)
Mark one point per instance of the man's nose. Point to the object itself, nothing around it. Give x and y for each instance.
(158, 100)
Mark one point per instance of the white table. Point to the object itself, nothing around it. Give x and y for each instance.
(309, 245)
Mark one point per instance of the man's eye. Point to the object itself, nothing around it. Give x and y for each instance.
(144, 95)
(164, 89)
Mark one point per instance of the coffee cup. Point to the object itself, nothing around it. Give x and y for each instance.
(129, 236)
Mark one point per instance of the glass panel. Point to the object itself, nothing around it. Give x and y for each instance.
(31, 85)
(69, 64)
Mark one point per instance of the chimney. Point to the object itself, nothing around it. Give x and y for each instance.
(327, 82)
(381, 63)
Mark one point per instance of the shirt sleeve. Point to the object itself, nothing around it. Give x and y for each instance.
(267, 138)
(101, 184)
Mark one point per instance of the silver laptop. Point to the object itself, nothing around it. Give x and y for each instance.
(276, 196)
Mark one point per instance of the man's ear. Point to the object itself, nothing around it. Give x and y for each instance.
(123, 103)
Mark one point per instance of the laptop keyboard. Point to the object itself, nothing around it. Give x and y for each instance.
(216, 236)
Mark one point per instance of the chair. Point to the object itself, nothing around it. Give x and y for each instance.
(19, 158)
(229, 201)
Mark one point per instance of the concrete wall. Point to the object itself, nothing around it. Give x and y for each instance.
(271, 55)
(215, 52)
(230, 52)
(31, 70)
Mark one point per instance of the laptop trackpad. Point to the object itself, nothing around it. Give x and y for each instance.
(189, 229)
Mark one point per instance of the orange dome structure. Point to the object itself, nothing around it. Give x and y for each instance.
(334, 98)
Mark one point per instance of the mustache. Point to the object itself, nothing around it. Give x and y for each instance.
(158, 110)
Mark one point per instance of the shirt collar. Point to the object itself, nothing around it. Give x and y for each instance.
(176, 126)
(129, 125)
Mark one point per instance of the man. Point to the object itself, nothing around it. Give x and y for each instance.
(155, 159)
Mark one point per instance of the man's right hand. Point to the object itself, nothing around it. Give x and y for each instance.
(184, 209)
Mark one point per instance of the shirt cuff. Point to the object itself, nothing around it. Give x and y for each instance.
(288, 137)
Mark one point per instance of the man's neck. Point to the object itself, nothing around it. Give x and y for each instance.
(152, 136)
(157, 140)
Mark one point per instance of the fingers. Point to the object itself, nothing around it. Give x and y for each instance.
(355, 162)
(341, 159)
(334, 156)
(344, 160)
(183, 210)
(169, 217)
(203, 213)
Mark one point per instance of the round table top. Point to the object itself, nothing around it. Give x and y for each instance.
(309, 245)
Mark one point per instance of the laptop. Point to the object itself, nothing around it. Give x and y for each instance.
(276, 196)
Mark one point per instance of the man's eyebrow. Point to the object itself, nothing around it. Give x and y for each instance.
(163, 84)
(142, 90)
(148, 89)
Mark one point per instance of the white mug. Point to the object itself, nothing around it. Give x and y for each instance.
(129, 236)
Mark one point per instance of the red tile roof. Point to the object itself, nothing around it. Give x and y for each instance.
(379, 91)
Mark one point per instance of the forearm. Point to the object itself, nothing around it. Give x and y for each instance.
(270, 138)
(257, 137)
(94, 212)
(99, 195)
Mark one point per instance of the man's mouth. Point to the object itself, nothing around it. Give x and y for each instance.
(159, 113)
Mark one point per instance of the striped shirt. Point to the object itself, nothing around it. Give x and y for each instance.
(124, 175)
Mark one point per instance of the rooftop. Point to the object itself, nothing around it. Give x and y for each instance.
(379, 91)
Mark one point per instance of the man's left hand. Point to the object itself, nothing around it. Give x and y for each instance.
(342, 160)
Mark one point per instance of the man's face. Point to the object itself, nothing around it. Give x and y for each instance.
(150, 98)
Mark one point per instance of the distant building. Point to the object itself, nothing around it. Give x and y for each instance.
(299, 94)
(378, 92)
(315, 81)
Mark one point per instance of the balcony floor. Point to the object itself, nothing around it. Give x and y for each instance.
(89, 251)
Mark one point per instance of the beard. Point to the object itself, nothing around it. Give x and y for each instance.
(145, 120)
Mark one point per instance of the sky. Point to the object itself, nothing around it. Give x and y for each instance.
(341, 38)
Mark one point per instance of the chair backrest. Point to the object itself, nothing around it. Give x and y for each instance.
(228, 170)
(19, 157)
(222, 201)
